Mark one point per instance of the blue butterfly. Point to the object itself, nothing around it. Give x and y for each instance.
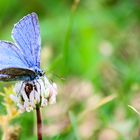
(21, 60)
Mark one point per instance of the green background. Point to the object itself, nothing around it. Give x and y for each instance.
(91, 49)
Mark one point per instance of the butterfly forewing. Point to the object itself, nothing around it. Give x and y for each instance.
(26, 34)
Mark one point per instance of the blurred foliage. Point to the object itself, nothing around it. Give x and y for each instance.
(94, 47)
(9, 132)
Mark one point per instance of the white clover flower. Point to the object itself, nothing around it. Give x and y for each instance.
(30, 94)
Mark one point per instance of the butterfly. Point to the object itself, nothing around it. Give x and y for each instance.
(20, 60)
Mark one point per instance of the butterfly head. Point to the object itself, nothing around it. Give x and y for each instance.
(39, 72)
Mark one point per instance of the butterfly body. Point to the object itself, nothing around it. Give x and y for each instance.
(20, 60)
(37, 73)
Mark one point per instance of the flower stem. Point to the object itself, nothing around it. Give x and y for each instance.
(39, 123)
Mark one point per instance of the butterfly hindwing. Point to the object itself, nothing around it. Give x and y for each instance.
(11, 56)
(13, 65)
(4, 77)
(10, 74)
(26, 34)
(7, 78)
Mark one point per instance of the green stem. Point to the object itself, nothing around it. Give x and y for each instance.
(39, 123)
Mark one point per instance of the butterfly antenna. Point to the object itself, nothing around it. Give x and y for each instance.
(59, 77)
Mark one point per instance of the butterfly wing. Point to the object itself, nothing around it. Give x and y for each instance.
(10, 74)
(15, 62)
(26, 34)
(11, 56)
(4, 77)
(13, 65)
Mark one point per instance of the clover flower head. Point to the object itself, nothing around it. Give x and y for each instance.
(31, 94)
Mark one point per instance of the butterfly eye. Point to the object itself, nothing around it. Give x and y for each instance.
(40, 73)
